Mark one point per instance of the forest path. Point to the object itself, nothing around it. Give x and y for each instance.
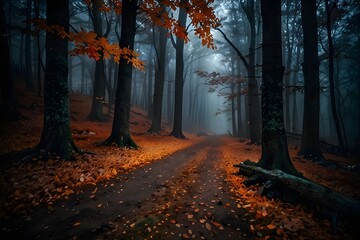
(182, 196)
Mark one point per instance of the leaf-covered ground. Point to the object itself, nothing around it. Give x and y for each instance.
(23, 186)
(205, 200)
(276, 218)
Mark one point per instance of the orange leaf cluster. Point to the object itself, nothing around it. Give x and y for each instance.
(88, 43)
(199, 11)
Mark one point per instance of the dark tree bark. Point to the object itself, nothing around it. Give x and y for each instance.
(232, 89)
(28, 64)
(289, 54)
(330, 202)
(159, 82)
(98, 96)
(56, 135)
(331, 77)
(254, 105)
(8, 108)
(179, 80)
(275, 153)
(120, 133)
(310, 143)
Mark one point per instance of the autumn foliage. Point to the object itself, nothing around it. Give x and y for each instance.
(202, 17)
(200, 12)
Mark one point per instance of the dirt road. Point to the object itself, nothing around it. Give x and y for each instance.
(182, 196)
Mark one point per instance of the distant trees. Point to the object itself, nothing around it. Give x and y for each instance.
(252, 105)
(328, 10)
(160, 48)
(253, 92)
(98, 96)
(310, 143)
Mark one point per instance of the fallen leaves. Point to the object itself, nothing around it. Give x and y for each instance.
(208, 226)
(271, 226)
(40, 182)
(270, 216)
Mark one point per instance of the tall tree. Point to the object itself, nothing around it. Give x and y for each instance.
(98, 96)
(274, 151)
(159, 80)
(254, 106)
(120, 133)
(28, 63)
(179, 79)
(334, 111)
(310, 142)
(56, 135)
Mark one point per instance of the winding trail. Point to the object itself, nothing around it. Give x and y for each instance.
(181, 196)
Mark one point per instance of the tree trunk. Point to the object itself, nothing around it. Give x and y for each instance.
(242, 131)
(98, 96)
(40, 65)
(254, 106)
(232, 92)
(275, 153)
(169, 100)
(310, 144)
(331, 77)
(149, 93)
(330, 202)
(28, 63)
(120, 133)
(233, 118)
(56, 135)
(159, 83)
(179, 80)
(287, 75)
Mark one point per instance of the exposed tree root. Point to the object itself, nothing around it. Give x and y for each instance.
(45, 151)
(276, 183)
(153, 131)
(120, 141)
(178, 135)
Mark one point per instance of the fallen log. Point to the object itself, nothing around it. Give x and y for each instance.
(315, 193)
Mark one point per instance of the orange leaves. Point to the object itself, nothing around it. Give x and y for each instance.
(88, 43)
(96, 48)
(271, 226)
(199, 11)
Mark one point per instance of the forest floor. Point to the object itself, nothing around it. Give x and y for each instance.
(167, 189)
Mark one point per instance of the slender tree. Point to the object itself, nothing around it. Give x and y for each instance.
(334, 111)
(274, 153)
(159, 80)
(29, 72)
(98, 96)
(254, 106)
(120, 133)
(179, 79)
(310, 143)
